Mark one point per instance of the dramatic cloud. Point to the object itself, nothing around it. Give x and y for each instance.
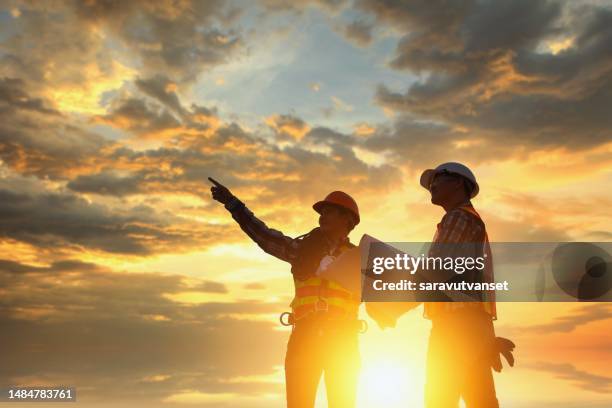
(107, 183)
(65, 221)
(197, 144)
(14, 97)
(283, 175)
(37, 139)
(136, 116)
(485, 67)
(162, 89)
(178, 38)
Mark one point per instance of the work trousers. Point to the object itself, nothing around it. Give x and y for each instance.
(318, 346)
(461, 348)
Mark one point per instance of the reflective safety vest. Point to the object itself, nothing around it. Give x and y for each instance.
(432, 309)
(315, 294)
(321, 295)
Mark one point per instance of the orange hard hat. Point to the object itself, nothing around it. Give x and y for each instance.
(340, 199)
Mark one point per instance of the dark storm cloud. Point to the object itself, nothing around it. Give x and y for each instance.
(111, 334)
(484, 66)
(417, 144)
(47, 46)
(39, 286)
(161, 88)
(67, 221)
(177, 38)
(14, 97)
(466, 36)
(136, 116)
(36, 139)
(106, 183)
(156, 110)
(181, 38)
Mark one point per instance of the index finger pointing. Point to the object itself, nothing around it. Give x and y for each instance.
(215, 182)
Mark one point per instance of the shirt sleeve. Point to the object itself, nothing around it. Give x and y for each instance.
(270, 240)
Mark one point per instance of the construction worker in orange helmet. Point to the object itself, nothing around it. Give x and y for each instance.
(324, 336)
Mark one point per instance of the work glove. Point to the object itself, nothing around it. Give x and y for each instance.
(386, 314)
(220, 192)
(502, 347)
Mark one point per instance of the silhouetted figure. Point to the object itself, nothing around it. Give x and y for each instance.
(324, 338)
(462, 345)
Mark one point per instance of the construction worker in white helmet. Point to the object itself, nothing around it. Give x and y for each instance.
(462, 345)
(324, 338)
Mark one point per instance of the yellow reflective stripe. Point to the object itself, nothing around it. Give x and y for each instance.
(304, 300)
(302, 303)
(318, 281)
(315, 281)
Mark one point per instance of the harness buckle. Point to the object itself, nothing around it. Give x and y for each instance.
(321, 306)
(290, 320)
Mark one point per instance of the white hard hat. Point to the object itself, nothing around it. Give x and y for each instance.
(450, 167)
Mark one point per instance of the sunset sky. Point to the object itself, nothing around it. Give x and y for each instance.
(120, 276)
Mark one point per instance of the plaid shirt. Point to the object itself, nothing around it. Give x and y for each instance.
(457, 227)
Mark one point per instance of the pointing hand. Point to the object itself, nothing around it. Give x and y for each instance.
(220, 192)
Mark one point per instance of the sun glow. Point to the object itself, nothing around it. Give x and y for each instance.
(386, 383)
